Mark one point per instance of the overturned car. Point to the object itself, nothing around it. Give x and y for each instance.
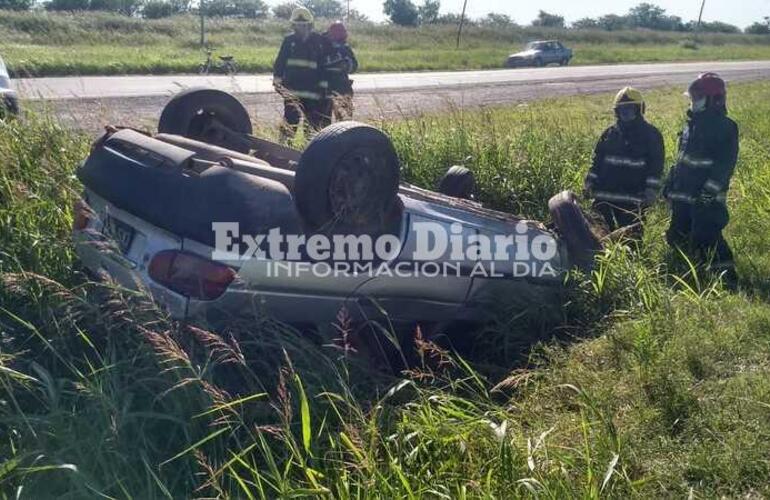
(216, 223)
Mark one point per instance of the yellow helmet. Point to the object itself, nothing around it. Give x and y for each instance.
(301, 15)
(629, 95)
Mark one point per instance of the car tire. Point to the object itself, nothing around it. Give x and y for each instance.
(575, 229)
(457, 182)
(188, 113)
(347, 180)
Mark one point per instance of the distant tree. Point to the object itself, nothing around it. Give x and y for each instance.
(587, 23)
(125, 7)
(251, 9)
(546, 20)
(156, 9)
(401, 12)
(283, 10)
(453, 18)
(712, 27)
(428, 11)
(355, 15)
(761, 28)
(16, 4)
(613, 22)
(66, 5)
(497, 20)
(328, 9)
(646, 15)
(652, 17)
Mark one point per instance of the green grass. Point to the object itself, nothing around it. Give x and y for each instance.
(653, 382)
(41, 44)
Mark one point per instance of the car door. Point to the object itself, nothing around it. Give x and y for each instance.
(561, 52)
(552, 53)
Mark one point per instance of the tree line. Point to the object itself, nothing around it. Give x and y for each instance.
(643, 16)
(399, 12)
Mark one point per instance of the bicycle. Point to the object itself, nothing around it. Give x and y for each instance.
(226, 65)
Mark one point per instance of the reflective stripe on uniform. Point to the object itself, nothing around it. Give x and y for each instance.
(653, 182)
(302, 63)
(696, 162)
(712, 186)
(604, 195)
(686, 198)
(323, 84)
(304, 94)
(681, 197)
(626, 162)
(592, 175)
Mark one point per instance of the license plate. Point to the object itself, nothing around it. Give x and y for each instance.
(119, 232)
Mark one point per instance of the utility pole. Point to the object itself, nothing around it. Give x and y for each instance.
(203, 23)
(462, 21)
(700, 18)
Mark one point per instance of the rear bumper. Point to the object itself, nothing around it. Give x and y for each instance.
(105, 264)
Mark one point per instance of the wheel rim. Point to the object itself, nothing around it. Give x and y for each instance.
(355, 197)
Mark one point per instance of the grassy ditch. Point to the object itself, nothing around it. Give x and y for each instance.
(653, 383)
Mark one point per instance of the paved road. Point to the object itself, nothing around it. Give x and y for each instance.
(90, 102)
(146, 86)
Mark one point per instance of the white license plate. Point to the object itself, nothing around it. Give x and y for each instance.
(119, 232)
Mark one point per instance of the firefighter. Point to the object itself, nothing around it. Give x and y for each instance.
(625, 176)
(697, 185)
(340, 64)
(299, 76)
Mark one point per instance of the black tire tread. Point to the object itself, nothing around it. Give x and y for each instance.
(574, 227)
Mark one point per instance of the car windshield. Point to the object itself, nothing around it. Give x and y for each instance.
(535, 46)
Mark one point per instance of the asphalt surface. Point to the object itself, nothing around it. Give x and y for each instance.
(90, 102)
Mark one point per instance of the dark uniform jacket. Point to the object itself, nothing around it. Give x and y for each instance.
(708, 151)
(340, 63)
(627, 161)
(300, 66)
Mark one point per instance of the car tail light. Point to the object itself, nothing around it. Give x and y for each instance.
(191, 275)
(81, 215)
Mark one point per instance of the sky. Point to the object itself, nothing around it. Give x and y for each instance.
(739, 12)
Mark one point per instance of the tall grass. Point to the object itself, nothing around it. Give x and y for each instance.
(43, 44)
(653, 381)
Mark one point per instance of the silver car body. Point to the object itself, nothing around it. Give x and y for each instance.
(7, 93)
(315, 299)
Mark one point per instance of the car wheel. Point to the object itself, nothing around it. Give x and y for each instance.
(347, 180)
(207, 115)
(457, 182)
(574, 228)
